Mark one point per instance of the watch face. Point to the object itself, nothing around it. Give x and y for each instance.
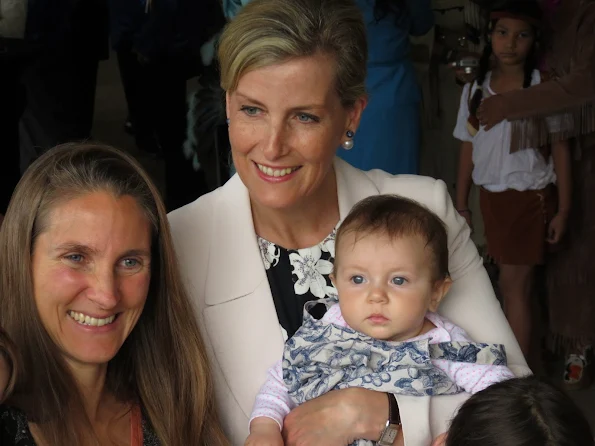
(387, 438)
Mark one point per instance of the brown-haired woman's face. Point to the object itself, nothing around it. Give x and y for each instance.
(286, 122)
(91, 274)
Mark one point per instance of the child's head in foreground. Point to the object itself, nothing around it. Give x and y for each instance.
(518, 412)
(391, 267)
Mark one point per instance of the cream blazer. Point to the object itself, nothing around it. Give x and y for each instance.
(220, 262)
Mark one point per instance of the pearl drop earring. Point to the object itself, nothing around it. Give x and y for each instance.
(348, 144)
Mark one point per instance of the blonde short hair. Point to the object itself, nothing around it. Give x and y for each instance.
(269, 32)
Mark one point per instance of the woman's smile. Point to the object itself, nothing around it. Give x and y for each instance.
(91, 270)
(286, 123)
(276, 174)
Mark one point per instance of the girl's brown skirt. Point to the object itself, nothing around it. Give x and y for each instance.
(516, 224)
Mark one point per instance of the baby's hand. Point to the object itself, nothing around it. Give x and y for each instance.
(264, 432)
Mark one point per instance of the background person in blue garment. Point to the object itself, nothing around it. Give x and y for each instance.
(389, 134)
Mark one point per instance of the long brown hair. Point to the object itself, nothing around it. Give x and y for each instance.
(162, 366)
(9, 353)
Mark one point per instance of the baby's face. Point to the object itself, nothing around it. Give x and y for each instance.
(386, 286)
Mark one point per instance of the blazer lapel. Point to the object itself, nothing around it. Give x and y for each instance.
(239, 314)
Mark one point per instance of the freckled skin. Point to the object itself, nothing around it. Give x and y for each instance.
(289, 116)
(93, 258)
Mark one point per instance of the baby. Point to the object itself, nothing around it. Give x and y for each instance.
(390, 272)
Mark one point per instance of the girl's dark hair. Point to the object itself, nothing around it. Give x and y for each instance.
(528, 8)
(520, 412)
(383, 8)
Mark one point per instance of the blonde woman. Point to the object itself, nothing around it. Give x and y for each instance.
(107, 349)
(253, 251)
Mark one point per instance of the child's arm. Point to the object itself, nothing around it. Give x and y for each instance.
(270, 408)
(464, 180)
(561, 157)
(471, 377)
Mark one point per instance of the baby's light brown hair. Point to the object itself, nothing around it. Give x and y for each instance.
(396, 217)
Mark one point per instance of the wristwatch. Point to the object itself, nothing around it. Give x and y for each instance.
(393, 424)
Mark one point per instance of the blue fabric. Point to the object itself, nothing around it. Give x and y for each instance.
(388, 137)
(322, 356)
(232, 7)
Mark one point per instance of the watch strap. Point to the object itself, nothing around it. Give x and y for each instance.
(393, 424)
(394, 415)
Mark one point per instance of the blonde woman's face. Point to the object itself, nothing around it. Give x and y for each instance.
(286, 123)
(91, 274)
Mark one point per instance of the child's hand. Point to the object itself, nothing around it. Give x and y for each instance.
(557, 228)
(264, 432)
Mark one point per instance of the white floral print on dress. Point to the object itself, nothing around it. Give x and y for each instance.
(310, 270)
(269, 252)
(328, 244)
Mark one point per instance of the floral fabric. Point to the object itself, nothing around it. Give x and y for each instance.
(298, 276)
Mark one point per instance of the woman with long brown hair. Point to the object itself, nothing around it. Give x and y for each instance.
(107, 346)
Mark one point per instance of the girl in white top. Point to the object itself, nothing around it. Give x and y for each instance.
(517, 196)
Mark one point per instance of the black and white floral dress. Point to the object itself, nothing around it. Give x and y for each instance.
(297, 276)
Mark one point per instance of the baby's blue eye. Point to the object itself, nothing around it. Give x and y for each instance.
(399, 280)
(358, 280)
